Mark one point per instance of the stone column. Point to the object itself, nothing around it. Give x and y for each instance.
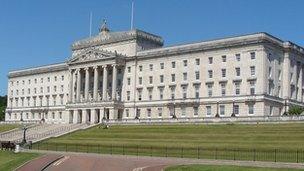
(93, 116)
(87, 78)
(96, 76)
(78, 85)
(286, 76)
(105, 83)
(84, 116)
(300, 82)
(71, 86)
(101, 114)
(114, 82)
(75, 116)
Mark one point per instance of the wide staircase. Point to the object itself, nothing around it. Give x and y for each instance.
(40, 132)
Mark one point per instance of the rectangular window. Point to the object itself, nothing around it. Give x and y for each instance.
(238, 57)
(160, 112)
(172, 93)
(184, 91)
(149, 112)
(151, 67)
(55, 78)
(224, 58)
(197, 61)
(150, 80)
(197, 88)
(60, 115)
(222, 110)
(140, 68)
(127, 113)
(139, 95)
(183, 108)
(62, 88)
(128, 95)
(129, 81)
(140, 80)
(195, 111)
(223, 73)
(236, 109)
(237, 88)
(210, 60)
(252, 87)
(129, 69)
(161, 93)
(197, 75)
(210, 73)
(62, 78)
(252, 55)
(48, 79)
(162, 65)
(209, 89)
(252, 70)
(161, 78)
(251, 109)
(223, 89)
(172, 77)
(185, 63)
(185, 76)
(238, 71)
(150, 94)
(173, 64)
(208, 109)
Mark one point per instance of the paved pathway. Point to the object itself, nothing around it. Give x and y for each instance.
(39, 163)
(91, 162)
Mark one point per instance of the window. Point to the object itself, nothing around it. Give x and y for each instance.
(29, 81)
(127, 113)
(161, 78)
(173, 64)
(55, 78)
(222, 110)
(28, 91)
(17, 83)
(238, 57)
(48, 79)
(224, 58)
(184, 91)
(185, 63)
(238, 71)
(150, 80)
(197, 61)
(55, 88)
(162, 65)
(209, 89)
(210, 60)
(62, 88)
(149, 112)
(252, 70)
(195, 111)
(223, 73)
(41, 89)
(197, 88)
(197, 75)
(128, 95)
(151, 67)
(22, 91)
(172, 77)
(140, 68)
(129, 81)
(54, 101)
(48, 89)
(41, 80)
(172, 92)
(139, 95)
(208, 109)
(183, 108)
(160, 112)
(251, 109)
(237, 88)
(61, 100)
(185, 76)
(129, 69)
(210, 73)
(161, 93)
(140, 80)
(236, 109)
(150, 94)
(53, 115)
(35, 80)
(252, 55)
(223, 89)
(35, 90)
(60, 115)
(252, 87)
(62, 78)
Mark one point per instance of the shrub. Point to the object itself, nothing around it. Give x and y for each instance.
(295, 110)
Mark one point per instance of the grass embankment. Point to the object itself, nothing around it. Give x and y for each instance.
(10, 161)
(267, 142)
(7, 127)
(221, 168)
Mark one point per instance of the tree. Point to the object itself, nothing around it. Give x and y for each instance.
(295, 110)
(3, 102)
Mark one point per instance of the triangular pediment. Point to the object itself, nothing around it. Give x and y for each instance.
(92, 55)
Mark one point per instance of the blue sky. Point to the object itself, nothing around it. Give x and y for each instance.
(36, 32)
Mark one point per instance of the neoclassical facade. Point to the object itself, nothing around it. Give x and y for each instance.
(130, 75)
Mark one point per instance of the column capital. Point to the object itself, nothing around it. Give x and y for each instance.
(86, 68)
(77, 69)
(95, 67)
(104, 66)
(114, 65)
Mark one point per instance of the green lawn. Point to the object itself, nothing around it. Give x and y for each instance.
(7, 127)
(10, 160)
(221, 168)
(266, 142)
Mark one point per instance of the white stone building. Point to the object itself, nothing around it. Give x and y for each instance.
(130, 75)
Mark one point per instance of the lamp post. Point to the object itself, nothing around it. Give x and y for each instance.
(24, 134)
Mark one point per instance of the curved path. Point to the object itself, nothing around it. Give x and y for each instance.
(92, 162)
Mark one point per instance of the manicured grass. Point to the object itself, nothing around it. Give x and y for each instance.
(7, 127)
(221, 168)
(262, 136)
(10, 160)
(263, 142)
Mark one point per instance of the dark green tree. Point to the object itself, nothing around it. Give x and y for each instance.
(295, 110)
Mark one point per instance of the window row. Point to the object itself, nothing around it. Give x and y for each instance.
(29, 81)
(37, 101)
(35, 90)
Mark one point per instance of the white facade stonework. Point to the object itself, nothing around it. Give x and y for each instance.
(129, 75)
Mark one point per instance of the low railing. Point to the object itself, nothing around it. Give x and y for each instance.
(273, 155)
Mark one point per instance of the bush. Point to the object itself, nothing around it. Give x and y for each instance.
(295, 110)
